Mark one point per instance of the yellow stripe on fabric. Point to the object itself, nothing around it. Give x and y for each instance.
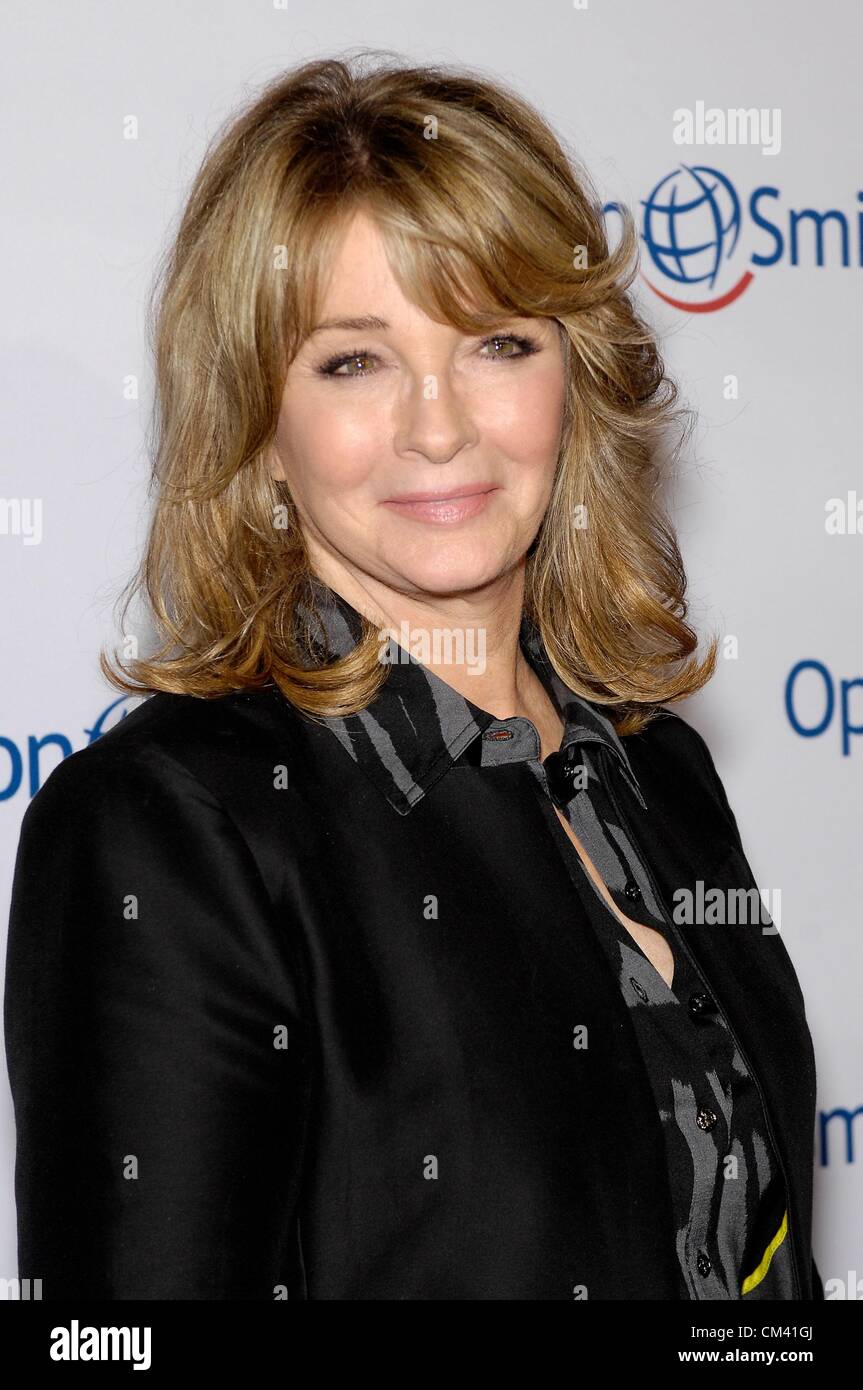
(754, 1279)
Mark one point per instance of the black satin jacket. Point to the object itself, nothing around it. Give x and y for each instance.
(289, 1014)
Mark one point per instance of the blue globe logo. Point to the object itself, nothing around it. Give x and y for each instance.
(691, 226)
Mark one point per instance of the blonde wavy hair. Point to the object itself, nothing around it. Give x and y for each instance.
(483, 215)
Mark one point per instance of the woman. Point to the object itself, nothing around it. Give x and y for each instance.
(358, 970)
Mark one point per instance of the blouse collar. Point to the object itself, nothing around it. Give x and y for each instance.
(418, 726)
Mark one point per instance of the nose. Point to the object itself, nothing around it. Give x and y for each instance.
(432, 421)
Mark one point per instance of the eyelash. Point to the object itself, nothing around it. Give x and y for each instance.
(329, 368)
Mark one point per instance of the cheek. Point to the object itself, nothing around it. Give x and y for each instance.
(328, 449)
(525, 419)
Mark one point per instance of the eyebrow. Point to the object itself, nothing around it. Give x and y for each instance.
(367, 324)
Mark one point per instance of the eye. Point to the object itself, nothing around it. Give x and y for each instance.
(526, 346)
(333, 365)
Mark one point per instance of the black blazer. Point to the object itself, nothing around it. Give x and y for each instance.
(247, 1062)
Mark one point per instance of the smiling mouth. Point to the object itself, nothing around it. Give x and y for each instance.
(444, 495)
(460, 506)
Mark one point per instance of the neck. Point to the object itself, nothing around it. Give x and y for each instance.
(470, 640)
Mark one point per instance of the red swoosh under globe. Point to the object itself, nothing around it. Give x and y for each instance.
(734, 293)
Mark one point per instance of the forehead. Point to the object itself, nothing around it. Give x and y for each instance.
(358, 267)
(359, 290)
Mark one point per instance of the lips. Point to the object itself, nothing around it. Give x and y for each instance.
(441, 509)
(444, 494)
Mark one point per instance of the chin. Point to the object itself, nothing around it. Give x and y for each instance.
(444, 576)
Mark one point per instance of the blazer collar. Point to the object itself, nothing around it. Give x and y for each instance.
(418, 726)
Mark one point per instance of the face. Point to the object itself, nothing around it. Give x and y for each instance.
(417, 456)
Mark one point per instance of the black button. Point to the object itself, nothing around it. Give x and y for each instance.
(703, 1262)
(700, 1004)
(706, 1118)
(561, 773)
(631, 890)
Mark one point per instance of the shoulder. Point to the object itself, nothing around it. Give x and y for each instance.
(167, 747)
(668, 735)
(675, 766)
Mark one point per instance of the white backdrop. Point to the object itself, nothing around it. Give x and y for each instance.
(771, 363)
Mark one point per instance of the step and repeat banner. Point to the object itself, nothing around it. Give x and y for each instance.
(732, 132)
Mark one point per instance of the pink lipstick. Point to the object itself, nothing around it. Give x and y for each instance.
(446, 506)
